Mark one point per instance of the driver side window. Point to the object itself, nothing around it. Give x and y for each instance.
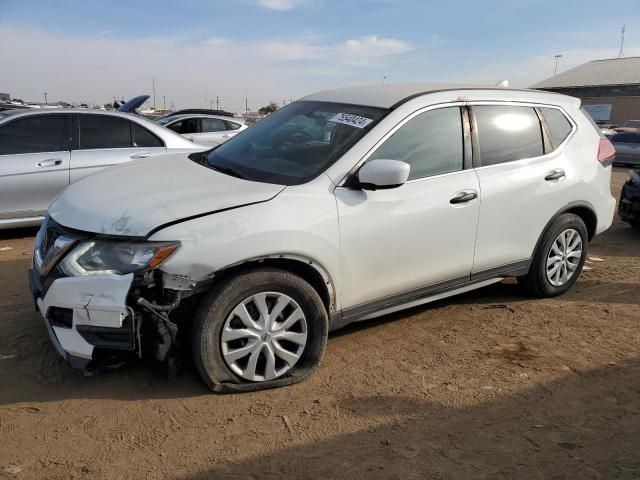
(431, 143)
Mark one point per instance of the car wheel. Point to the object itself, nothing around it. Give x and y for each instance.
(559, 258)
(260, 329)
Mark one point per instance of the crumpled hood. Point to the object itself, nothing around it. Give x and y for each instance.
(135, 198)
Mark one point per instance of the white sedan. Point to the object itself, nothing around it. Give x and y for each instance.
(209, 130)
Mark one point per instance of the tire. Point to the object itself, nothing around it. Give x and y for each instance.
(537, 281)
(212, 351)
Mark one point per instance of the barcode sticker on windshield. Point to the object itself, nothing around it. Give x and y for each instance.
(351, 120)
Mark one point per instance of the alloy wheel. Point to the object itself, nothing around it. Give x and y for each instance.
(564, 257)
(264, 336)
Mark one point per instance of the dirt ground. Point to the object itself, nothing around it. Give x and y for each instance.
(490, 385)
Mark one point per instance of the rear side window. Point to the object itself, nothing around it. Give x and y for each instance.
(144, 138)
(430, 143)
(102, 131)
(558, 125)
(506, 133)
(40, 133)
(212, 125)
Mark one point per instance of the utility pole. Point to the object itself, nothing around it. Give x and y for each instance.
(45, 98)
(153, 84)
(246, 105)
(217, 102)
(555, 69)
(621, 52)
(211, 104)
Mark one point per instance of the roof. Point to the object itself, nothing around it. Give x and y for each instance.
(611, 71)
(390, 95)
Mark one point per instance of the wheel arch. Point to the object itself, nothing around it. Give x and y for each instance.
(306, 268)
(582, 209)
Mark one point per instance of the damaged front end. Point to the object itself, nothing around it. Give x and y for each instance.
(105, 300)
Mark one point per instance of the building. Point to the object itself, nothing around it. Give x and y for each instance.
(609, 89)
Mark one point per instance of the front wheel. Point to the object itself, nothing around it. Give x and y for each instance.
(260, 329)
(559, 258)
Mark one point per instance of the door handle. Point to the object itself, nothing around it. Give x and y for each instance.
(140, 155)
(556, 174)
(50, 162)
(463, 197)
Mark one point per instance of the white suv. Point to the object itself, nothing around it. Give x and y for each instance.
(341, 207)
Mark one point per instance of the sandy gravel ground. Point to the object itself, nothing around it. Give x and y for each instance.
(487, 385)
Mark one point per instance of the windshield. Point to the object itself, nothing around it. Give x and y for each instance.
(296, 143)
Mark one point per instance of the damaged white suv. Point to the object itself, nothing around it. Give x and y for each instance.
(343, 206)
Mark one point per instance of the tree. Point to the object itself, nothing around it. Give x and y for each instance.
(272, 107)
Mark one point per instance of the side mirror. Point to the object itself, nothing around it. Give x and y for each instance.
(381, 174)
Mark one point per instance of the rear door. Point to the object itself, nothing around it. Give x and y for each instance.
(212, 131)
(34, 163)
(524, 180)
(105, 140)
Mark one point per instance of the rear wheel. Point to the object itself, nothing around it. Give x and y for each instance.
(559, 258)
(259, 329)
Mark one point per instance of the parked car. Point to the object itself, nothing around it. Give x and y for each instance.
(203, 111)
(341, 207)
(211, 130)
(629, 126)
(43, 151)
(627, 146)
(629, 207)
(607, 130)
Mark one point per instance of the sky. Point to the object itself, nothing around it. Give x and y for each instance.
(277, 50)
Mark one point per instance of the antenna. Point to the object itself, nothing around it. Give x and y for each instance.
(621, 52)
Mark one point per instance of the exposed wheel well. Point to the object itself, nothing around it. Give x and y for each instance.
(588, 217)
(297, 267)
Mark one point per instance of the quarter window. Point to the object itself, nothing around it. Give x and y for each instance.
(232, 125)
(40, 133)
(558, 126)
(430, 143)
(102, 131)
(144, 138)
(507, 133)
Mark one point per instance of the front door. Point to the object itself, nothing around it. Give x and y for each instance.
(34, 164)
(416, 236)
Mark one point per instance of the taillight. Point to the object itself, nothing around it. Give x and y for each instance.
(606, 152)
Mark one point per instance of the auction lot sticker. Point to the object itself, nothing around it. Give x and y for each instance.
(351, 120)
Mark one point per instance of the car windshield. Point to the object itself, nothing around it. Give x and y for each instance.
(296, 143)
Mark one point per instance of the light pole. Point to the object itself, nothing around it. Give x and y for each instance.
(164, 102)
(384, 78)
(557, 57)
(45, 98)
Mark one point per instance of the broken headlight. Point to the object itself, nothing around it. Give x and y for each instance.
(100, 257)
